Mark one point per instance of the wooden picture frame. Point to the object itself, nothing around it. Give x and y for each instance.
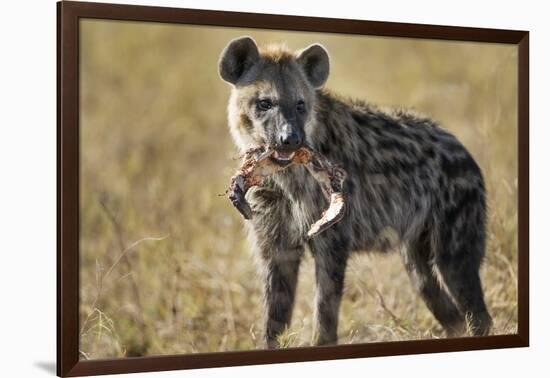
(68, 149)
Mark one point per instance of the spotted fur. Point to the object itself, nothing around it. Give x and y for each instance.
(411, 187)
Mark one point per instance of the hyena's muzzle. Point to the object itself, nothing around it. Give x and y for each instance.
(288, 140)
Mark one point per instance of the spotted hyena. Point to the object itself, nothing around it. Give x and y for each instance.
(411, 186)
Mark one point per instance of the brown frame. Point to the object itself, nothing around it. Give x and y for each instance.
(68, 15)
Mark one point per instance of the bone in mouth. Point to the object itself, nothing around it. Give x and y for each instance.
(261, 162)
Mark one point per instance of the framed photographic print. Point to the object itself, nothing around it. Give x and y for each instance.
(238, 188)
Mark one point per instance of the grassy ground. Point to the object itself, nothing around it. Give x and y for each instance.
(164, 263)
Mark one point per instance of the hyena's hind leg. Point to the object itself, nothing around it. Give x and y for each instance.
(459, 252)
(417, 258)
(458, 266)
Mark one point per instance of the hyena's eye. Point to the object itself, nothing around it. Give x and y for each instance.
(301, 106)
(264, 105)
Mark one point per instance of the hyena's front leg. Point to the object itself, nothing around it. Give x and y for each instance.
(280, 278)
(330, 267)
(280, 249)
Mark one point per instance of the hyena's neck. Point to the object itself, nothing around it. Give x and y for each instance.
(334, 132)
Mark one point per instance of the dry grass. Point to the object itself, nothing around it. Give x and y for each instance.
(164, 264)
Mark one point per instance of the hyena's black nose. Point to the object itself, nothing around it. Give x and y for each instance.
(290, 141)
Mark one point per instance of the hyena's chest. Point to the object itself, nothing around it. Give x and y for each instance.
(301, 195)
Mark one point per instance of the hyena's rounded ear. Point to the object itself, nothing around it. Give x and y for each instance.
(237, 58)
(315, 61)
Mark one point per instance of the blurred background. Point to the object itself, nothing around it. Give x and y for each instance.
(164, 266)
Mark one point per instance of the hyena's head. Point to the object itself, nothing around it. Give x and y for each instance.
(273, 94)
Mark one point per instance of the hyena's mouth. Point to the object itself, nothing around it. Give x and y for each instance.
(260, 163)
(282, 158)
